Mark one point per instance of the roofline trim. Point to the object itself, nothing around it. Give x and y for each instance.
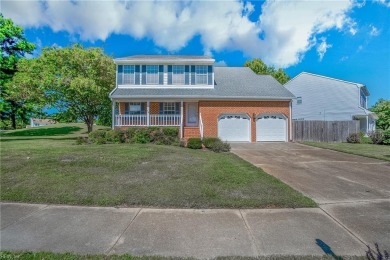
(206, 98)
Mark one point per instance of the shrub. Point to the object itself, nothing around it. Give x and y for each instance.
(115, 136)
(171, 131)
(141, 136)
(129, 134)
(386, 137)
(194, 143)
(354, 138)
(94, 136)
(209, 141)
(82, 140)
(220, 146)
(377, 137)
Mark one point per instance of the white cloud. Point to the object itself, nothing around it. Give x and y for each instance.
(374, 31)
(322, 48)
(220, 63)
(383, 2)
(287, 28)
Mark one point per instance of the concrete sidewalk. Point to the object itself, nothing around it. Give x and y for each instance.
(173, 232)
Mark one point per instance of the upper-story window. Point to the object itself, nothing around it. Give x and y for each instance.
(363, 99)
(178, 75)
(152, 74)
(201, 75)
(128, 74)
(299, 100)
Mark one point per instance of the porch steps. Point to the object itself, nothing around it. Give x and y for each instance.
(190, 132)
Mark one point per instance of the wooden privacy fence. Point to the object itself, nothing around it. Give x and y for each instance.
(324, 131)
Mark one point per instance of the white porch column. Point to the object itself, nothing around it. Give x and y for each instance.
(148, 113)
(367, 126)
(113, 114)
(181, 119)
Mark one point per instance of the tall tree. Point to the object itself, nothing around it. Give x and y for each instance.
(75, 80)
(382, 110)
(259, 67)
(13, 46)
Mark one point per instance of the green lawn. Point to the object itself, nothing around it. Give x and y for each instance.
(56, 170)
(381, 152)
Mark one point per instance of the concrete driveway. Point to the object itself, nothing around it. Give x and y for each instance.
(353, 190)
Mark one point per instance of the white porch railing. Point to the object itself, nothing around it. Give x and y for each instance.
(142, 120)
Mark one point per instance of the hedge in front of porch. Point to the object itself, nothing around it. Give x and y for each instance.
(140, 135)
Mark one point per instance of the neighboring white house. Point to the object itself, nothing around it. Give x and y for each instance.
(35, 122)
(328, 99)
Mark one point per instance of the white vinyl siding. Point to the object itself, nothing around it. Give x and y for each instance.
(152, 77)
(128, 74)
(178, 75)
(201, 75)
(324, 98)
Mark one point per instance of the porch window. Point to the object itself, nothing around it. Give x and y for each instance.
(169, 108)
(152, 74)
(129, 74)
(134, 108)
(201, 75)
(178, 75)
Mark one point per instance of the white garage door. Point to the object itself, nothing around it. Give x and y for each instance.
(234, 128)
(271, 128)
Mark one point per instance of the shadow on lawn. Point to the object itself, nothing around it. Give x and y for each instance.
(45, 131)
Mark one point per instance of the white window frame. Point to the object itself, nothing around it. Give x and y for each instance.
(201, 71)
(131, 73)
(156, 76)
(178, 75)
(169, 107)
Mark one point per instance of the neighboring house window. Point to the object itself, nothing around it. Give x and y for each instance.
(299, 100)
(128, 74)
(169, 108)
(133, 108)
(363, 99)
(201, 75)
(178, 75)
(152, 74)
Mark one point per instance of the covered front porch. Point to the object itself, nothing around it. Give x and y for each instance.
(367, 122)
(129, 113)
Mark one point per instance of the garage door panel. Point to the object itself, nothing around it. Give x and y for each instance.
(234, 128)
(271, 128)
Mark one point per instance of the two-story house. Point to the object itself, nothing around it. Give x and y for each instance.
(189, 92)
(328, 99)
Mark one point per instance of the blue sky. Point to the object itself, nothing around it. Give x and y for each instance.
(349, 40)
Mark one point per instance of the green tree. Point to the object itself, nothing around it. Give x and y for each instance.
(13, 46)
(74, 80)
(259, 67)
(382, 109)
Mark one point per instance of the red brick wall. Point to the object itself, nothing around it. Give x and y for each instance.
(211, 110)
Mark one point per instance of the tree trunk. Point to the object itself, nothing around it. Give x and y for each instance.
(13, 113)
(89, 123)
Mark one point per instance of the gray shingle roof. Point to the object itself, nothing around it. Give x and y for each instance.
(230, 83)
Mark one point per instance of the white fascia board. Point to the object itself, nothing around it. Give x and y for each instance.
(205, 98)
(166, 86)
(164, 62)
